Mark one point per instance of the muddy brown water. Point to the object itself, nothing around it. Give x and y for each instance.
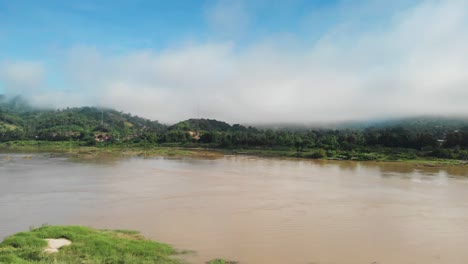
(253, 210)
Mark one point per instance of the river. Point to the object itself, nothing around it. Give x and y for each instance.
(249, 209)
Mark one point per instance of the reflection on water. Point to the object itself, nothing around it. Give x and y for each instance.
(254, 210)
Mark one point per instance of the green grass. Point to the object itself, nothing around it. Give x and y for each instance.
(88, 246)
(8, 126)
(384, 155)
(122, 149)
(32, 145)
(220, 261)
(73, 148)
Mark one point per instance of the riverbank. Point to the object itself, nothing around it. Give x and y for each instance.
(372, 156)
(119, 150)
(88, 245)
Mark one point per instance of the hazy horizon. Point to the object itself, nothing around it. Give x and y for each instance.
(262, 62)
(356, 123)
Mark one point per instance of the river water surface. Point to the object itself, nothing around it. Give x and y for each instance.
(248, 209)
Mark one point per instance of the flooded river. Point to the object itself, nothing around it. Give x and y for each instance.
(248, 209)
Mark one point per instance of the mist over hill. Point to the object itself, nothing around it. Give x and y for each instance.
(418, 123)
(424, 136)
(17, 112)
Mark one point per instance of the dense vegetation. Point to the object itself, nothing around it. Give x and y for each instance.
(413, 138)
(18, 121)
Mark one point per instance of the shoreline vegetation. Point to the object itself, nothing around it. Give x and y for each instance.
(431, 140)
(75, 149)
(89, 245)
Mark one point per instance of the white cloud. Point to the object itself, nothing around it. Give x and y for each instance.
(21, 76)
(417, 63)
(229, 18)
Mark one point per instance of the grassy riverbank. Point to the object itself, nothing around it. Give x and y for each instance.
(118, 150)
(382, 156)
(88, 246)
(101, 151)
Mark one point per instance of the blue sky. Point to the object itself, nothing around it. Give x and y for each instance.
(44, 30)
(33, 29)
(238, 60)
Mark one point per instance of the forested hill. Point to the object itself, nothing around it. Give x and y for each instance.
(20, 121)
(201, 124)
(440, 137)
(208, 125)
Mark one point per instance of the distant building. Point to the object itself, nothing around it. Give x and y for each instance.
(102, 138)
(194, 135)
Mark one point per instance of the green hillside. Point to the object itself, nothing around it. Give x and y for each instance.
(201, 125)
(208, 125)
(19, 121)
(399, 139)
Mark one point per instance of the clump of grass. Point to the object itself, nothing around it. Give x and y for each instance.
(221, 261)
(88, 246)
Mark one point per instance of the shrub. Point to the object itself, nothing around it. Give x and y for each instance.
(317, 154)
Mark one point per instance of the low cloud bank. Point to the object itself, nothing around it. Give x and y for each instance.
(415, 63)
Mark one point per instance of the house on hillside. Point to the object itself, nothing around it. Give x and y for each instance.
(102, 137)
(194, 135)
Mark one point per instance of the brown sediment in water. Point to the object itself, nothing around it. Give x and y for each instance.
(251, 209)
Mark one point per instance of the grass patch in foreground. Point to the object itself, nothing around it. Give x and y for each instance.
(221, 261)
(88, 246)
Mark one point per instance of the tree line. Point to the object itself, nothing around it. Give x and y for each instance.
(85, 124)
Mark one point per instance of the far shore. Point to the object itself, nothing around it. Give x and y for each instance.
(128, 150)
